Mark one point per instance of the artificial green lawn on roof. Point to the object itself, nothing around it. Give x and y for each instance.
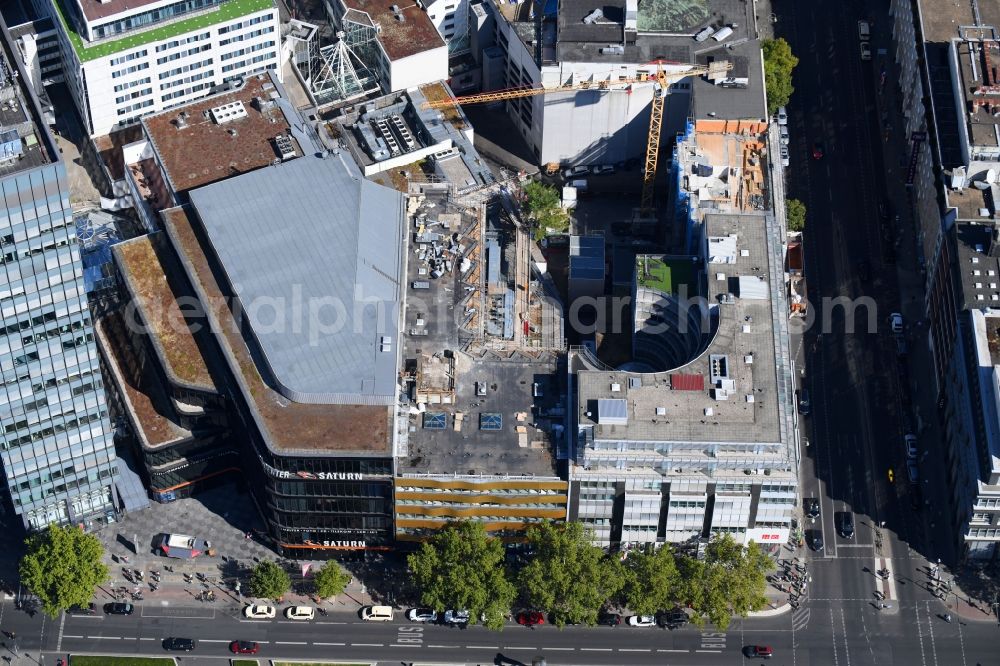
(664, 275)
(227, 11)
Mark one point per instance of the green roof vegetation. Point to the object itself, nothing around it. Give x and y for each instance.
(664, 275)
(227, 11)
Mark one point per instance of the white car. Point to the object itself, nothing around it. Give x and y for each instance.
(300, 613)
(782, 116)
(896, 323)
(866, 51)
(641, 621)
(783, 135)
(456, 617)
(259, 612)
(784, 156)
(421, 615)
(911, 446)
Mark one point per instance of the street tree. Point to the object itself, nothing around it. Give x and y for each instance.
(567, 574)
(779, 63)
(62, 567)
(269, 581)
(331, 580)
(544, 208)
(462, 567)
(795, 214)
(653, 582)
(730, 580)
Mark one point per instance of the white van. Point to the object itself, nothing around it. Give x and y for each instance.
(864, 30)
(704, 34)
(377, 613)
(723, 33)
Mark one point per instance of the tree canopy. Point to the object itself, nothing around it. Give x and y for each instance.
(330, 580)
(653, 582)
(544, 207)
(269, 581)
(729, 581)
(462, 567)
(62, 567)
(568, 575)
(779, 63)
(795, 214)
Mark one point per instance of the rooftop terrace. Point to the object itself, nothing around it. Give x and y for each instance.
(23, 135)
(195, 149)
(287, 427)
(400, 39)
(149, 268)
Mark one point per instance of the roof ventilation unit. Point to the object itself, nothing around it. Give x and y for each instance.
(283, 146)
(593, 17)
(227, 113)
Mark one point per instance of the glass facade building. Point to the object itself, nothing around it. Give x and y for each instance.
(57, 452)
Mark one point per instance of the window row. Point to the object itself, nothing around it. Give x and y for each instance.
(244, 63)
(250, 49)
(181, 42)
(130, 70)
(132, 84)
(183, 54)
(186, 68)
(248, 35)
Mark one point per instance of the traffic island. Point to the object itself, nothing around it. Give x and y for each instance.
(103, 660)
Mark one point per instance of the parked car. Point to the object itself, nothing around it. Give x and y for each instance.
(805, 407)
(816, 539)
(758, 651)
(377, 614)
(89, 609)
(818, 150)
(604, 169)
(844, 521)
(783, 137)
(530, 618)
(178, 644)
(421, 615)
(672, 619)
(609, 619)
(118, 608)
(810, 506)
(866, 51)
(784, 156)
(244, 647)
(259, 612)
(910, 442)
(896, 323)
(455, 617)
(642, 621)
(912, 471)
(576, 172)
(300, 612)
(782, 116)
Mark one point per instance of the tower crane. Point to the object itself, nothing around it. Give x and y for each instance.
(661, 78)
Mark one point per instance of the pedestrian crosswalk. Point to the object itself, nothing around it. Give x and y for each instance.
(800, 618)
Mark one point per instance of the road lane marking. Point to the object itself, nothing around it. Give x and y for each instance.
(595, 649)
(673, 650)
(511, 648)
(368, 645)
(71, 636)
(106, 638)
(562, 648)
(441, 646)
(483, 647)
(296, 643)
(635, 650)
(715, 651)
(318, 643)
(141, 638)
(215, 640)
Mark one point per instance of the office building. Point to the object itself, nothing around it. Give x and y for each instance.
(126, 59)
(58, 450)
(599, 42)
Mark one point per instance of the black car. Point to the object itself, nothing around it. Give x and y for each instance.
(118, 608)
(805, 407)
(672, 619)
(810, 506)
(178, 644)
(816, 539)
(609, 619)
(89, 609)
(844, 520)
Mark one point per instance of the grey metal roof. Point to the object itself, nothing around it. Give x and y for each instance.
(586, 257)
(313, 252)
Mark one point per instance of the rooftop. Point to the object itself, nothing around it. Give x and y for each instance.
(313, 252)
(195, 149)
(665, 274)
(85, 51)
(24, 140)
(400, 39)
(150, 408)
(152, 275)
(735, 396)
(978, 63)
(941, 18)
(666, 29)
(95, 10)
(741, 96)
(978, 265)
(285, 425)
